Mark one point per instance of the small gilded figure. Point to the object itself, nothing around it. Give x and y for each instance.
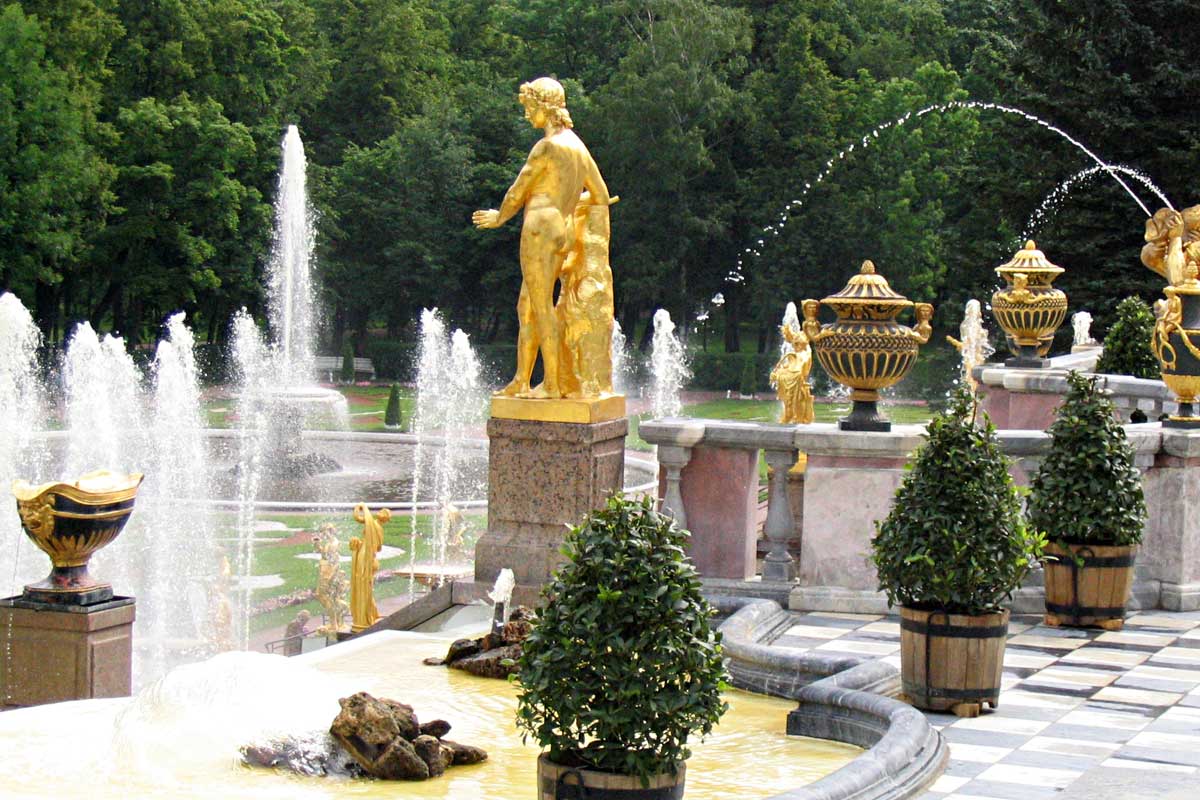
(363, 565)
(331, 581)
(790, 378)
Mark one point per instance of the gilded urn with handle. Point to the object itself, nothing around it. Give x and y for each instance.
(866, 349)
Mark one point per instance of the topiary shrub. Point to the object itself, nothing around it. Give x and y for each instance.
(622, 664)
(1127, 345)
(1087, 490)
(749, 381)
(391, 416)
(955, 539)
(347, 362)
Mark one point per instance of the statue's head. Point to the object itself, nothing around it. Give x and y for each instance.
(546, 95)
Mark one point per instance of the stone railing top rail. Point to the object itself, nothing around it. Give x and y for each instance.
(1054, 381)
(824, 439)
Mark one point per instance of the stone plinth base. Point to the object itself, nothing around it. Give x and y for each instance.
(720, 492)
(543, 477)
(56, 653)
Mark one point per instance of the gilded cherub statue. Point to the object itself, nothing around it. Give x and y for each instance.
(1173, 244)
(550, 187)
(790, 378)
(363, 565)
(331, 581)
(974, 347)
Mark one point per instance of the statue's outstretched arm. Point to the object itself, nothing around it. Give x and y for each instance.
(593, 181)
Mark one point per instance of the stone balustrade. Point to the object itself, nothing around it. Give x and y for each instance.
(709, 479)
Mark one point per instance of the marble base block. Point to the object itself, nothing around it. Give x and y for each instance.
(543, 477)
(843, 499)
(58, 653)
(720, 492)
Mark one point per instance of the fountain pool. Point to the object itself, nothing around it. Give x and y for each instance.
(212, 708)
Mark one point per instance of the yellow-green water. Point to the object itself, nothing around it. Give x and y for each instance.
(48, 749)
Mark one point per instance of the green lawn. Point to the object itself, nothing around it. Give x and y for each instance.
(366, 406)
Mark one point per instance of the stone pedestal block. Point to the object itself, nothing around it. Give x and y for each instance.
(1170, 550)
(843, 499)
(542, 477)
(719, 487)
(54, 653)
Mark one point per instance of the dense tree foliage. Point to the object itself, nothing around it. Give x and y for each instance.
(761, 150)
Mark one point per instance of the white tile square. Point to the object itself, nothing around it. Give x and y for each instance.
(1178, 655)
(1105, 719)
(1141, 697)
(1134, 637)
(1066, 747)
(1153, 766)
(890, 628)
(978, 753)
(998, 724)
(866, 648)
(1166, 741)
(1048, 642)
(1105, 655)
(1150, 620)
(1030, 776)
(815, 632)
(1073, 678)
(948, 783)
(844, 615)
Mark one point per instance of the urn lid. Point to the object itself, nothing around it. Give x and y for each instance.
(1029, 259)
(868, 286)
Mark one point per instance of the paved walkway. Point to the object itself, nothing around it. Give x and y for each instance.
(1083, 713)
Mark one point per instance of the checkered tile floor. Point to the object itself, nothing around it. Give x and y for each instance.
(1072, 701)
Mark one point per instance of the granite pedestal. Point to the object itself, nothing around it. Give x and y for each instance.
(543, 477)
(53, 653)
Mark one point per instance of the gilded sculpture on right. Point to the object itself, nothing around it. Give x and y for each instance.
(1172, 250)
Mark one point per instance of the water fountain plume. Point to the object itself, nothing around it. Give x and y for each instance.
(791, 319)
(775, 229)
(668, 367)
(292, 296)
(22, 408)
(103, 403)
(1060, 192)
(449, 403)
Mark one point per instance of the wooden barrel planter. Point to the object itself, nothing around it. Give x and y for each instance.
(1088, 585)
(559, 782)
(952, 661)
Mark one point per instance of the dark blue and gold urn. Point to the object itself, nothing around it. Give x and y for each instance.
(69, 522)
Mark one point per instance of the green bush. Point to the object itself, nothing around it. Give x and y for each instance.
(1127, 345)
(749, 381)
(391, 416)
(622, 664)
(1087, 490)
(347, 362)
(955, 540)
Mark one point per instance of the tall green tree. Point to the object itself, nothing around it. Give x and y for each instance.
(180, 239)
(53, 185)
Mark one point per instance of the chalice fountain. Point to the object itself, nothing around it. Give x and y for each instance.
(69, 522)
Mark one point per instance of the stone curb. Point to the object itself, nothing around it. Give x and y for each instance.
(841, 698)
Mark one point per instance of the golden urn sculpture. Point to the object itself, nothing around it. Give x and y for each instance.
(866, 349)
(1172, 250)
(1029, 309)
(69, 522)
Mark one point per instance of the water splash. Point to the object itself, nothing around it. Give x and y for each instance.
(622, 362)
(1059, 193)
(1081, 327)
(668, 367)
(974, 346)
(292, 296)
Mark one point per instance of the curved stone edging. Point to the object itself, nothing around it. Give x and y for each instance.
(842, 698)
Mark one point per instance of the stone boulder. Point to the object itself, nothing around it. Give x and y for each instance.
(493, 655)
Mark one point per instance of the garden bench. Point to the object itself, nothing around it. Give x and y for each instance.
(331, 367)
